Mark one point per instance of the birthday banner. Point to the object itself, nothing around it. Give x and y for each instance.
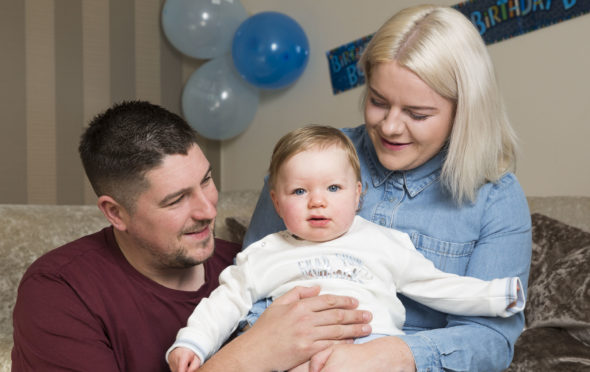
(496, 20)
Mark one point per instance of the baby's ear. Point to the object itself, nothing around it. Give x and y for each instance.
(359, 192)
(359, 204)
(275, 202)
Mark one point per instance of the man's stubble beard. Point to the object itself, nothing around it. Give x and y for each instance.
(180, 258)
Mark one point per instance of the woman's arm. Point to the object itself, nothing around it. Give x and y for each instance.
(384, 354)
(466, 343)
(502, 250)
(296, 326)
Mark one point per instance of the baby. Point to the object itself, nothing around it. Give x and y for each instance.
(316, 188)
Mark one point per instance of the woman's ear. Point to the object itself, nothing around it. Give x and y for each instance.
(117, 215)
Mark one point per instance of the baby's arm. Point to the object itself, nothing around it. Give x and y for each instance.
(182, 359)
(454, 294)
(217, 316)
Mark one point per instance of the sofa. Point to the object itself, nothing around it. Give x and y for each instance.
(557, 333)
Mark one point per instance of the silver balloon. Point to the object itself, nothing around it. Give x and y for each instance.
(202, 29)
(217, 102)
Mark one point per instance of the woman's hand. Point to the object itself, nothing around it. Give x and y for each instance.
(296, 326)
(382, 354)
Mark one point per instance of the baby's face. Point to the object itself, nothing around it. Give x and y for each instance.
(317, 194)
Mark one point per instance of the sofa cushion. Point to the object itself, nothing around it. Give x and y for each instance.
(549, 349)
(557, 313)
(559, 285)
(237, 227)
(28, 231)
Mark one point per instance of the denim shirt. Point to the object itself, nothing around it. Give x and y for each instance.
(489, 238)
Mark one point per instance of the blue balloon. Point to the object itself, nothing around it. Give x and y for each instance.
(202, 28)
(270, 50)
(217, 102)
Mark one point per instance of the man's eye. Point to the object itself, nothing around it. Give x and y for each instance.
(333, 188)
(207, 179)
(177, 200)
(298, 191)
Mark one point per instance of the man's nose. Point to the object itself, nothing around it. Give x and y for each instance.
(204, 206)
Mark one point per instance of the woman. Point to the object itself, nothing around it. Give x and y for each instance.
(436, 152)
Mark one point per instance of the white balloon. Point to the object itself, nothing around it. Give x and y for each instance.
(202, 28)
(217, 102)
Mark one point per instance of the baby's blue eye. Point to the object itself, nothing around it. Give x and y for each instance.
(333, 188)
(299, 192)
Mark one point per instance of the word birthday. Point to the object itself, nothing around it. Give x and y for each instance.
(506, 9)
(345, 73)
(496, 20)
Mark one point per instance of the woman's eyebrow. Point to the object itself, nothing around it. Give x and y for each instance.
(423, 108)
(376, 93)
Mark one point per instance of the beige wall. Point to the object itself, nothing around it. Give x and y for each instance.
(65, 60)
(544, 77)
(62, 62)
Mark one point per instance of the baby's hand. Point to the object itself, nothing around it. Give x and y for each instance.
(182, 359)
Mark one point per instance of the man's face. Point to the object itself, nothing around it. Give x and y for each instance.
(172, 226)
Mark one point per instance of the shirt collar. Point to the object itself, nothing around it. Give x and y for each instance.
(414, 180)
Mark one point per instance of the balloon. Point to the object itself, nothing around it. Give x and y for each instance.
(217, 102)
(202, 28)
(270, 50)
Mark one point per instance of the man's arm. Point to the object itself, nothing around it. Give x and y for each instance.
(54, 331)
(296, 326)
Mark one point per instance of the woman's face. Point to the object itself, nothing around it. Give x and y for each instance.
(407, 121)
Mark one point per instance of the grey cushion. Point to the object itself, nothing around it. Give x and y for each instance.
(549, 349)
(559, 284)
(558, 308)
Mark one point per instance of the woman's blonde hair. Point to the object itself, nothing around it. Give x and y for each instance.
(443, 48)
(303, 139)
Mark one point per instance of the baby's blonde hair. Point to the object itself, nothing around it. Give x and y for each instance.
(308, 137)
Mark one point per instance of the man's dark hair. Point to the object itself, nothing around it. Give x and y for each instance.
(123, 143)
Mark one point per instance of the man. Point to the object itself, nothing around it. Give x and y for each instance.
(114, 300)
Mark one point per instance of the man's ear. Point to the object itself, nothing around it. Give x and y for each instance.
(114, 212)
(275, 202)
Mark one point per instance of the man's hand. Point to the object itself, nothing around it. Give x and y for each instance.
(382, 354)
(182, 359)
(300, 323)
(294, 328)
